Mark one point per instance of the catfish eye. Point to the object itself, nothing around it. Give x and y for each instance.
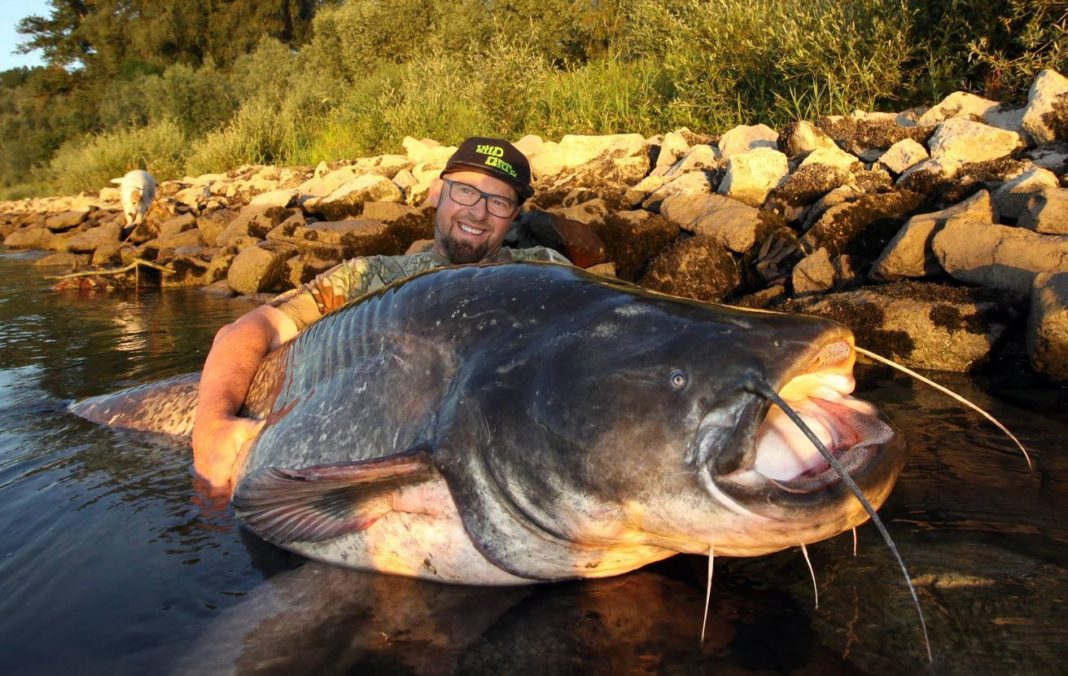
(678, 379)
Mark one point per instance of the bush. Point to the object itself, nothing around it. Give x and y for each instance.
(255, 135)
(606, 96)
(1035, 37)
(737, 62)
(376, 72)
(90, 163)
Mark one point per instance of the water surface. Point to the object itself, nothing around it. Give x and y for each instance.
(114, 561)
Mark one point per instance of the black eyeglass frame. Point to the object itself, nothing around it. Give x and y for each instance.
(489, 197)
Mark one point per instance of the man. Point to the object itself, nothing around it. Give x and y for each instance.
(477, 197)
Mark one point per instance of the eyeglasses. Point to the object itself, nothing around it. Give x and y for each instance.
(468, 196)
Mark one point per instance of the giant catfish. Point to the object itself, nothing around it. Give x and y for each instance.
(534, 422)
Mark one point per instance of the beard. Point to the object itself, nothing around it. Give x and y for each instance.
(460, 252)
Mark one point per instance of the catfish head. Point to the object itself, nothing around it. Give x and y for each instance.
(640, 425)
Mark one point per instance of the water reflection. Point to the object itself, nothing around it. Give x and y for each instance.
(112, 562)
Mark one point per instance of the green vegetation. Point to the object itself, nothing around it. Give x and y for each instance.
(197, 86)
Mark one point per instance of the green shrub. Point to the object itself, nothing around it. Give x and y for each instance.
(348, 121)
(198, 100)
(256, 135)
(605, 96)
(736, 61)
(89, 164)
(1034, 37)
(434, 96)
(266, 72)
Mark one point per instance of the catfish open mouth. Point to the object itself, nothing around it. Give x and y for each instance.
(848, 427)
(780, 453)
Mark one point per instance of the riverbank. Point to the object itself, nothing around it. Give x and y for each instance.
(940, 235)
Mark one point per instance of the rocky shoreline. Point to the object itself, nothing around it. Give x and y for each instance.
(939, 235)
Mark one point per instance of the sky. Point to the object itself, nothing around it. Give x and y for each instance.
(10, 13)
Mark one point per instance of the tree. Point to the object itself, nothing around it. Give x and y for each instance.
(116, 38)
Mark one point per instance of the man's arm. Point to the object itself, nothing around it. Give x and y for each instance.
(218, 433)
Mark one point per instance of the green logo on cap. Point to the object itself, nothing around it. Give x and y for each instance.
(493, 159)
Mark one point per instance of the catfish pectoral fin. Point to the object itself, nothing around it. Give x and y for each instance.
(314, 504)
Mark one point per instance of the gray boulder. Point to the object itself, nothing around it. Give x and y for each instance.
(698, 268)
(1047, 212)
(977, 251)
(909, 253)
(1046, 114)
(920, 325)
(256, 269)
(1047, 325)
(731, 223)
(966, 141)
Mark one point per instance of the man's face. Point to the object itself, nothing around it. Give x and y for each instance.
(468, 234)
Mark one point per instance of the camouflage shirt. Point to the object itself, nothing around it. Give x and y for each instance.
(356, 277)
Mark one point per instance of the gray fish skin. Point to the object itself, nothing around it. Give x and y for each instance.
(165, 406)
(524, 423)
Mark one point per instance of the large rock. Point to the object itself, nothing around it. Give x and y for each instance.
(903, 155)
(256, 269)
(609, 178)
(698, 268)
(348, 200)
(62, 259)
(957, 104)
(1011, 197)
(1047, 212)
(1046, 114)
(303, 267)
(753, 174)
(212, 224)
(1047, 325)
(862, 227)
(90, 240)
(693, 183)
(575, 150)
(584, 212)
(281, 197)
(731, 223)
(860, 137)
(176, 224)
(909, 253)
(979, 252)
(163, 247)
(66, 220)
(32, 237)
(745, 138)
(804, 137)
(361, 237)
(673, 146)
(920, 325)
(427, 151)
(251, 221)
(813, 273)
(808, 184)
(633, 238)
(700, 156)
(963, 140)
(323, 183)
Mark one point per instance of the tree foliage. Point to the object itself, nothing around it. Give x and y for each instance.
(208, 84)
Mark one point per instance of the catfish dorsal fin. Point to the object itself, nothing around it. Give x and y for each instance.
(318, 503)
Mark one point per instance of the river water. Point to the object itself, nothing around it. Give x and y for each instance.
(113, 560)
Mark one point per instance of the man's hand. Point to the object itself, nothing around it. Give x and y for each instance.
(218, 446)
(218, 433)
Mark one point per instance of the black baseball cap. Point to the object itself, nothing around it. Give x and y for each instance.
(495, 157)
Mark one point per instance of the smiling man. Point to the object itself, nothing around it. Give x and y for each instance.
(477, 197)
